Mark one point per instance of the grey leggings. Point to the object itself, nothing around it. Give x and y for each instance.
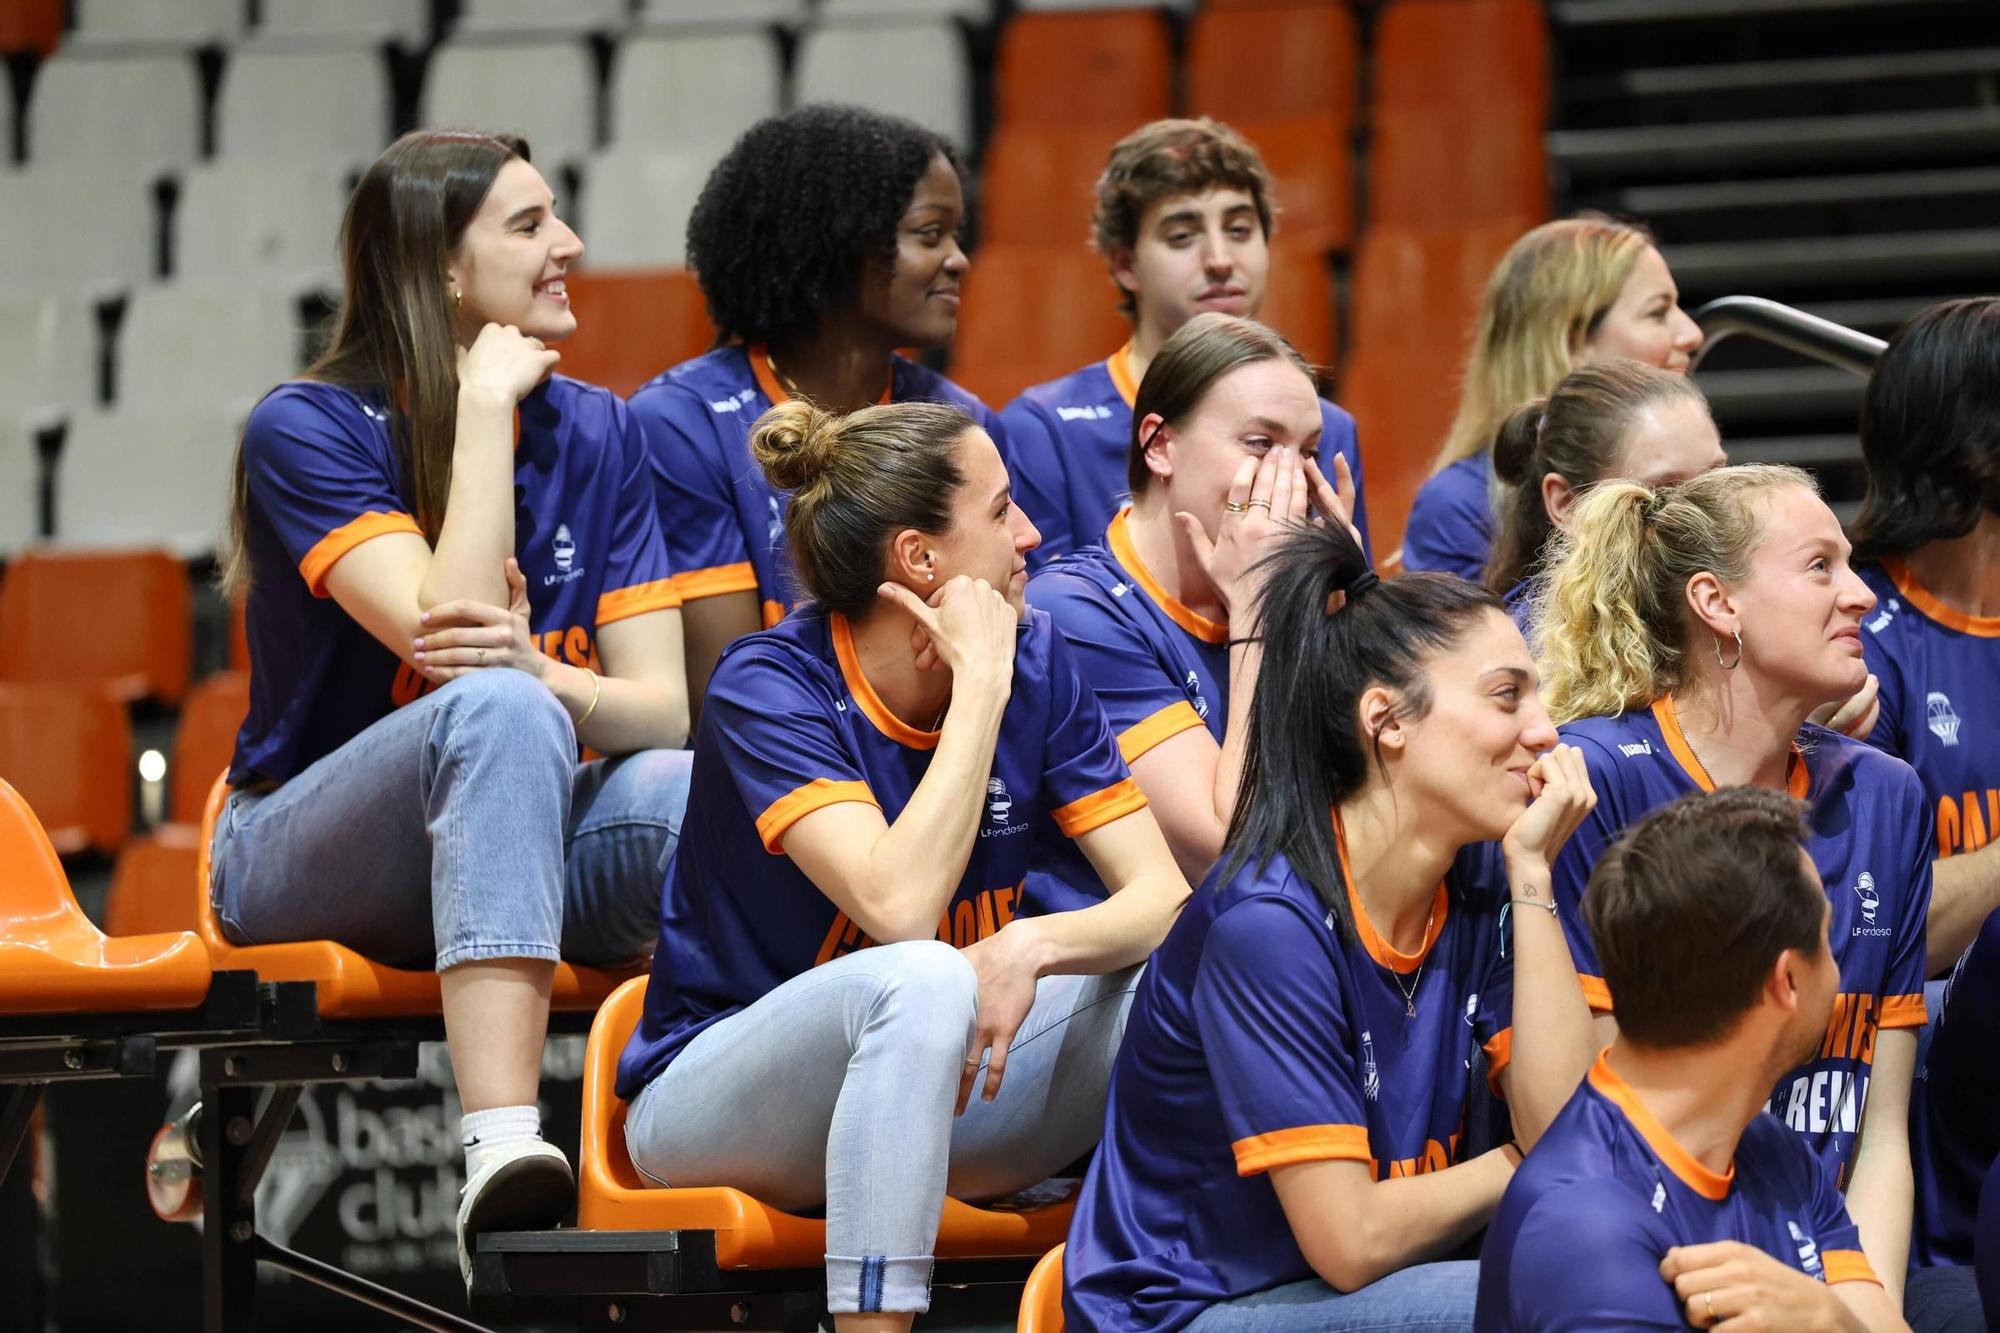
(837, 1089)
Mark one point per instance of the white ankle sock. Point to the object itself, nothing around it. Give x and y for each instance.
(484, 1131)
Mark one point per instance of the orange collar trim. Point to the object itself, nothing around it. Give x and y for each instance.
(864, 694)
(1378, 948)
(774, 388)
(1917, 595)
(1665, 1147)
(1798, 778)
(1119, 363)
(1119, 538)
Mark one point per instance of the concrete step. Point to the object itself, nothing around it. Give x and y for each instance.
(1667, 201)
(1745, 399)
(1614, 13)
(1831, 264)
(1787, 142)
(1813, 451)
(1768, 75)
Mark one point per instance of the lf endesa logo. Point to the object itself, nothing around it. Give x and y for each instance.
(1000, 812)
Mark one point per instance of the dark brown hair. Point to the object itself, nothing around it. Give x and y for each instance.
(1577, 433)
(393, 331)
(855, 481)
(1188, 364)
(1692, 907)
(1165, 158)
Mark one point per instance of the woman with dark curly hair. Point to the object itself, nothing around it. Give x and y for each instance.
(825, 239)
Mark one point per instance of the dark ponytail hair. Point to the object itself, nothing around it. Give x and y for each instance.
(1307, 752)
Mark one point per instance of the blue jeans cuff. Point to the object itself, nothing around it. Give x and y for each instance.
(878, 1284)
(480, 953)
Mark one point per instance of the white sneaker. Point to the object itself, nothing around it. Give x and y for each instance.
(526, 1185)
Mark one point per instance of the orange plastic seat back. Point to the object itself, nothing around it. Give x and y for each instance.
(1311, 159)
(1445, 171)
(1294, 60)
(206, 740)
(30, 25)
(1032, 313)
(124, 619)
(1112, 68)
(603, 1160)
(1298, 300)
(149, 884)
(67, 748)
(1041, 185)
(1485, 55)
(239, 638)
(1418, 289)
(1402, 405)
(1041, 1298)
(633, 324)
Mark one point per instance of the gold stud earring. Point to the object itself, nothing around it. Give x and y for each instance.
(457, 299)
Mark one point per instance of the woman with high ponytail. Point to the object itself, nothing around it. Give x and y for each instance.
(1284, 1145)
(1686, 635)
(845, 953)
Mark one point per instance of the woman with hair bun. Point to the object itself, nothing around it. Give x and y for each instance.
(1686, 635)
(1282, 1145)
(1572, 291)
(843, 952)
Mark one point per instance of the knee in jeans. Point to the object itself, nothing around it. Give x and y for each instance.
(933, 985)
(511, 709)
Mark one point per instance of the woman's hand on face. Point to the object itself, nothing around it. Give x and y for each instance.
(1333, 503)
(1006, 993)
(503, 365)
(1267, 496)
(1559, 784)
(465, 636)
(967, 628)
(1854, 717)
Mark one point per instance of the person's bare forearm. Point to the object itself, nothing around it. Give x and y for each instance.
(468, 560)
(1965, 890)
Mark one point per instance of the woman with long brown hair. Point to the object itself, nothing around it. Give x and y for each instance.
(455, 577)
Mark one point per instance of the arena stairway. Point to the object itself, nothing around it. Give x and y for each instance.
(1835, 155)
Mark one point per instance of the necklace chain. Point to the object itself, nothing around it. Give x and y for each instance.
(1410, 992)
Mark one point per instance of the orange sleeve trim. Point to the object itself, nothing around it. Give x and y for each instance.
(637, 600)
(716, 580)
(1099, 808)
(1904, 1011)
(1308, 1143)
(1169, 722)
(326, 553)
(1847, 1266)
(1499, 1051)
(1596, 994)
(795, 805)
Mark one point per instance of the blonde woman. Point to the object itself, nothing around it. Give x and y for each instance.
(1686, 634)
(1569, 292)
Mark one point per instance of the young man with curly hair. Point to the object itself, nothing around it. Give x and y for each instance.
(1185, 212)
(824, 240)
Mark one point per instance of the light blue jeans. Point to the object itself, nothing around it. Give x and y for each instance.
(1436, 1296)
(460, 827)
(837, 1089)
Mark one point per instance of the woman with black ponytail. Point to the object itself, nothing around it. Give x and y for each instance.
(1382, 908)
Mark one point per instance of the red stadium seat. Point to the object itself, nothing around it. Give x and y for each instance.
(1112, 68)
(1293, 60)
(1040, 184)
(1451, 169)
(613, 1196)
(1484, 56)
(1312, 161)
(346, 984)
(1402, 406)
(1298, 300)
(1418, 289)
(631, 325)
(67, 749)
(1041, 1298)
(149, 884)
(1032, 313)
(31, 25)
(120, 619)
(205, 740)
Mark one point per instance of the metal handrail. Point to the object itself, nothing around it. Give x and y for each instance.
(1808, 335)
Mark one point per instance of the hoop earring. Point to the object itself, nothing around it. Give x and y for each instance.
(1737, 634)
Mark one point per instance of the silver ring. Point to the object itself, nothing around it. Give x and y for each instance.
(482, 657)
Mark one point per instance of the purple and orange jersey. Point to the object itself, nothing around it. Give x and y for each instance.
(1451, 522)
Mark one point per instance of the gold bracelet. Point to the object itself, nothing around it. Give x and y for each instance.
(596, 693)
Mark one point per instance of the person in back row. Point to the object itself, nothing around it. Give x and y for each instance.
(1570, 292)
(843, 951)
(455, 577)
(1663, 1195)
(1685, 635)
(1185, 214)
(824, 240)
(1225, 435)
(1283, 1144)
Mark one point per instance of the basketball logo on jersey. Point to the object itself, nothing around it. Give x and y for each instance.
(1194, 693)
(1659, 1196)
(1000, 806)
(1938, 715)
(562, 549)
(1371, 1077)
(1864, 889)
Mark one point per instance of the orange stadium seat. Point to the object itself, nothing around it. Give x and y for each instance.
(120, 619)
(149, 884)
(1294, 60)
(1031, 313)
(68, 750)
(1402, 406)
(1041, 1298)
(1486, 56)
(1111, 67)
(1040, 184)
(613, 1196)
(346, 984)
(52, 960)
(1418, 289)
(239, 638)
(30, 25)
(633, 324)
(205, 740)
(1312, 161)
(1449, 170)
(1298, 300)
